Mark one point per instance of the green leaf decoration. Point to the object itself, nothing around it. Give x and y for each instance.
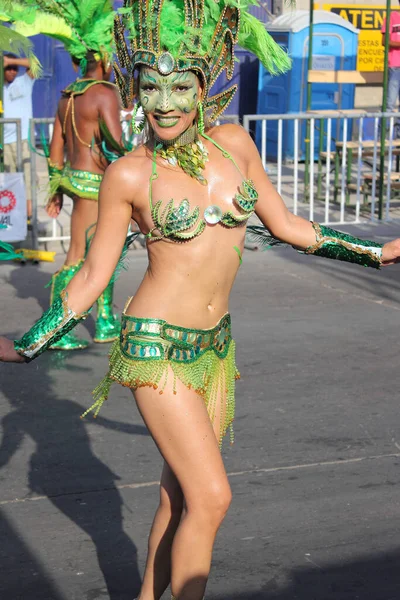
(261, 236)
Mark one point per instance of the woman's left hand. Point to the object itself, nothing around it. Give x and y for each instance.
(391, 253)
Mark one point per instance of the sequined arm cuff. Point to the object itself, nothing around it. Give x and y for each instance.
(342, 246)
(52, 325)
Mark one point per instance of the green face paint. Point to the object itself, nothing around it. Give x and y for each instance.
(173, 93)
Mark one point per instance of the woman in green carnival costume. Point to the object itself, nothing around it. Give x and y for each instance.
(88, 106)
(191, 189)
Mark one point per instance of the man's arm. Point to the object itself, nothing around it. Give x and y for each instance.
(294, 230)
(20, 62)
(57, 144)
(55, 164)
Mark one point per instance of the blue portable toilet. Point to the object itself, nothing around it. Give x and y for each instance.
(335, 44)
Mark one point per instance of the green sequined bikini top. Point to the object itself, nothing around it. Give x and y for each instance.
(180, 223)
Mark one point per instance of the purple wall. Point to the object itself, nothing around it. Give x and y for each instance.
(57, 74)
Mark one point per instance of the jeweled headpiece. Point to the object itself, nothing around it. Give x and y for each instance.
(190, 35)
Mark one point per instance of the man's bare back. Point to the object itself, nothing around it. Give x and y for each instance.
(79, 117)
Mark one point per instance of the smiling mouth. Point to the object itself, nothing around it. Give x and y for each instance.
(164, 121)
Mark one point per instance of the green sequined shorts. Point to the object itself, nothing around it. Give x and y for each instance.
(74, 182)
(149, 351)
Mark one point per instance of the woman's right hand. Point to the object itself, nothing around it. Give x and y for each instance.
(8, 352)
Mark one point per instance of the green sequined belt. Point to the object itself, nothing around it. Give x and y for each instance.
(83, 184)
(150, 350)
(143, 339)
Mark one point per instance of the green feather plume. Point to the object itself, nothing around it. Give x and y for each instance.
(7, 251)
(81, 25)
(260, 235)
(254, 37)
(12, 41)
(172, 27)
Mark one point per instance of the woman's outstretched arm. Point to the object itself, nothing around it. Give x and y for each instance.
(300, 233)
(115, 211)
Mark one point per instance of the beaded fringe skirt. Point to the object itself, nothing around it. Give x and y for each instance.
(150, 351)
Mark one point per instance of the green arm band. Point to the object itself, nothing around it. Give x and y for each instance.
(54, 170)
(342, 246)
(55, 176)
(52, 325)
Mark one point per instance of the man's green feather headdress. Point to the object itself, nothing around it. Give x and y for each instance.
(11, 41)
(191, 35)
(81, 25)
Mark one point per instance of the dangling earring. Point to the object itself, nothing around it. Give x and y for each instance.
(138, 128)
(200, 118)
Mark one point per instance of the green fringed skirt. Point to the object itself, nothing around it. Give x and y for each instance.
(203, 360)
(74, 182)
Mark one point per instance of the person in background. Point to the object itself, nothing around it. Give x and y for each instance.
(87, 119)
(394, 65)
(85, 103)
(17, 95)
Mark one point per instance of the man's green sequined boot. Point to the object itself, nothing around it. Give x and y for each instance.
(59, 282)
(107, 323)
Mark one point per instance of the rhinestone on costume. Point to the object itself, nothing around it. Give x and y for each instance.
(166, 63)
(213, 214)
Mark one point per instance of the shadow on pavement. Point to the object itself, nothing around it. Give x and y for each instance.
(64, 468)
(373, 577)
(16, 559)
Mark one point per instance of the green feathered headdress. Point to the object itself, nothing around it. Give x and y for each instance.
(81, 25)
(11, 41)
(191, 35)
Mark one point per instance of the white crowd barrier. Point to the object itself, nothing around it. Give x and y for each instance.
(325, 165)
(342, 181)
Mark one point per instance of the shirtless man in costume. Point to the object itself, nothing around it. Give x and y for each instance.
(86, 102)
(88, 114)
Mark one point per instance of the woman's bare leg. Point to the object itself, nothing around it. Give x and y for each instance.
(84, 214)
(157, 575)
(182, 429)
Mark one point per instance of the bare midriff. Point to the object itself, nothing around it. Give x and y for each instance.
(189, 284)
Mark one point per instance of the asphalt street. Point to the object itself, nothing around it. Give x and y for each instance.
(314, 469)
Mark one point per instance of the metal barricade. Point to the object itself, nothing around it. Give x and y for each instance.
(331, 188)
(341, 184)
(17, 123)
